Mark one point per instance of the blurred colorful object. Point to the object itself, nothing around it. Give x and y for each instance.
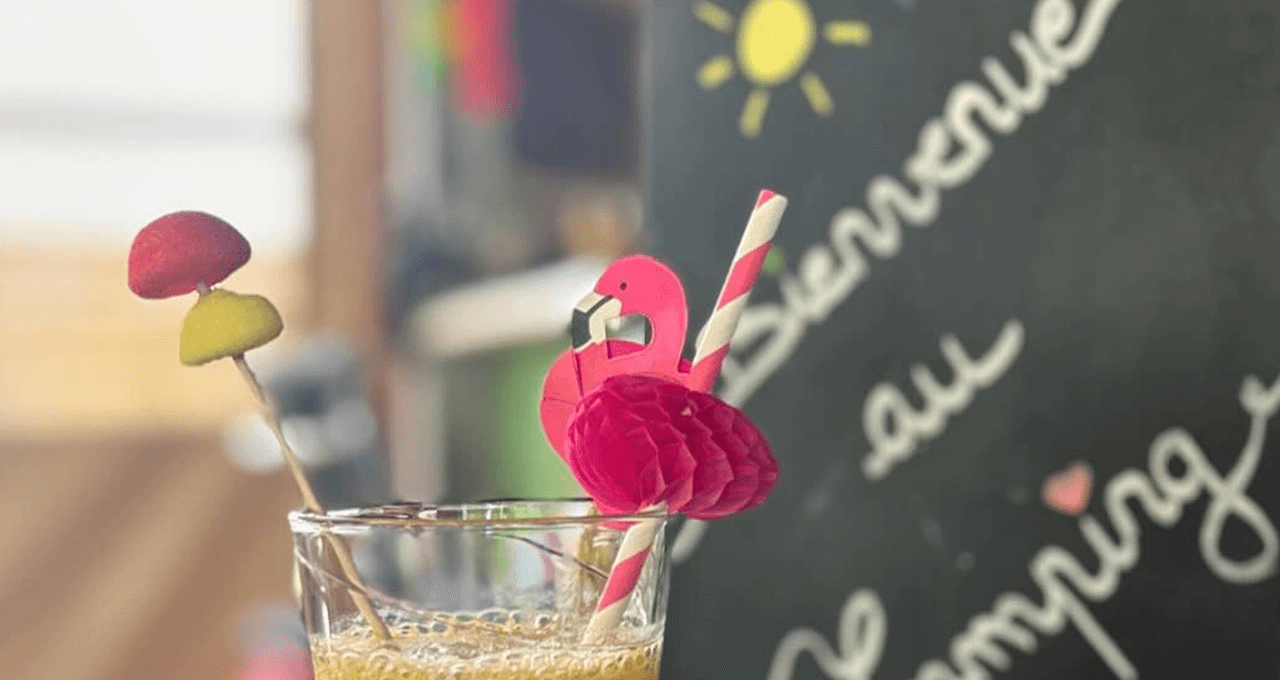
(487, 79)
(566, 69)
(278, 663)
(425, 38)
(471, 42)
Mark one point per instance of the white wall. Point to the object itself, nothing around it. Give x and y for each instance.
(112, 113)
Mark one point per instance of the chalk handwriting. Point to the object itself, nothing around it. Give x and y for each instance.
(863, 627)
(894, 428)
(950, 150)
(1015, 619)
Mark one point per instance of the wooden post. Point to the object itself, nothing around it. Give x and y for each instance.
(346, 132)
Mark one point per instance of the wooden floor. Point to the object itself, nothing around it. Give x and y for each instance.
(134, 558)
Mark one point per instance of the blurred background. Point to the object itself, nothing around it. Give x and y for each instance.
(428, 185)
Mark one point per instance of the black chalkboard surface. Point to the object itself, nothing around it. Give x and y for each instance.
(1032, 251)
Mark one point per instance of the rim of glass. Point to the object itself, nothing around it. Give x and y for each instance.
(480, 514)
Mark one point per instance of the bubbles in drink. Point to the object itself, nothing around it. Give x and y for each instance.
(490, 645)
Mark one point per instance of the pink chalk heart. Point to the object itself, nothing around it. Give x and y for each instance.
(1068, 491)
(175, 252)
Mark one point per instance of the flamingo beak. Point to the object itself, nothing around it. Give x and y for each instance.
(589, 317)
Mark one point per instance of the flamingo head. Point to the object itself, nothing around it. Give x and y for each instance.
(633, 285)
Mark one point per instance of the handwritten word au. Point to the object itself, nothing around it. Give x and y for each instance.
(950, 150)
(1014, 620)
(894, 429)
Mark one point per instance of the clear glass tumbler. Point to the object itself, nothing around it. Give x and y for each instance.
(501, 590)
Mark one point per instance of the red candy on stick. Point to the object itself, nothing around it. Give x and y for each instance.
(178, 251)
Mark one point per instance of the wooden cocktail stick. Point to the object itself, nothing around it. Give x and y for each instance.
(309, 500)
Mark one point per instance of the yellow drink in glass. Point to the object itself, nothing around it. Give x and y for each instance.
(495, 591)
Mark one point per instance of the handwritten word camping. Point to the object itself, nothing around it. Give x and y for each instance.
(1178, 473)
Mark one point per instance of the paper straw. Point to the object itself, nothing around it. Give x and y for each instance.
(712, 347)
(623, 575)
(713, 340)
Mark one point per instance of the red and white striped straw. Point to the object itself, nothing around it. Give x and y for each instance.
(712, 347)
(713, 341)
(622, 580)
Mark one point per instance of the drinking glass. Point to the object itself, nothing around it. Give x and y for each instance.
(500, 590)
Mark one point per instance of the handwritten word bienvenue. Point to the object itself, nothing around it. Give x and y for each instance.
(894, 428)
(829, 272)
(1014, 619)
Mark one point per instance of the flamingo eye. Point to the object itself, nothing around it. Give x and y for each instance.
(622, 286)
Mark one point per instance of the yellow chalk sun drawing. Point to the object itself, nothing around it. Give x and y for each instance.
(774, 41)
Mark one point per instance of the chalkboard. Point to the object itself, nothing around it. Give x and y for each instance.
(1019, 358)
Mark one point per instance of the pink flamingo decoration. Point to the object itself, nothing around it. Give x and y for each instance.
(633, 285)
(642, 285)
